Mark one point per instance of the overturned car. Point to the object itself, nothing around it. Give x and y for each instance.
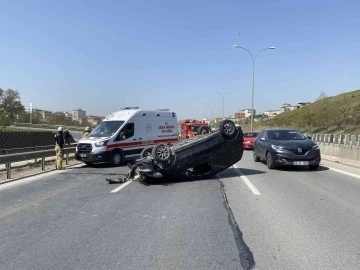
(197, 157)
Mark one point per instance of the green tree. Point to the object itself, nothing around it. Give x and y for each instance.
(10, 103)
(322, 96)
(308, 116)
(343, 110)
(85, 123)
(1, 96)
(59, 118)
(24, 118)
(4, 119)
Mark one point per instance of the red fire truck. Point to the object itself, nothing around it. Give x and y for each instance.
(190, 128)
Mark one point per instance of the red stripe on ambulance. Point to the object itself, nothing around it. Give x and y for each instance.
(140, 143)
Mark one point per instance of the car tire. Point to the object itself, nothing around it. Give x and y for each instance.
(116, 158)
(161, 153)
(269, 161)
(203, 130)
(227, 128)
(146, 152)
(256, 158)
(314, 167)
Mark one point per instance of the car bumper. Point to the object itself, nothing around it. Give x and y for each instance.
(313, 157)
(248, 145)
(93, 157)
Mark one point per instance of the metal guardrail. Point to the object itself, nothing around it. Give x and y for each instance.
(30, 149)
(19, 157)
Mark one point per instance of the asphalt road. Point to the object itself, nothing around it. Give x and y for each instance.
(71, 220)
(287, 219)
(299, 219)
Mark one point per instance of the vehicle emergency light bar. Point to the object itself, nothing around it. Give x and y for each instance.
(129, 108)
(163, 110)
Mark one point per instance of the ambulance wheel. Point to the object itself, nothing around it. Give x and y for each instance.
(161, 153)
(146, 152)
(116, 159)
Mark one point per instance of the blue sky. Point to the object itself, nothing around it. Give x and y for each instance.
(104, 55)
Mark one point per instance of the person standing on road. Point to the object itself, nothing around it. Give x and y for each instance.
(86, 132)
(67, 136)
(59, 146)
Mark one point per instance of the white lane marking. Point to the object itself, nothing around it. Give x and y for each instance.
(253, 189)
(121, 186)
(343, 172)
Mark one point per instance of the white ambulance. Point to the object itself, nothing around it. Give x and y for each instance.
(126, 134)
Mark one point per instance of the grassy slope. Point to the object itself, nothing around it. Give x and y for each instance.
(335, 115)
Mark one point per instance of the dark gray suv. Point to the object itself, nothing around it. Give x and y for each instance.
(286, 147)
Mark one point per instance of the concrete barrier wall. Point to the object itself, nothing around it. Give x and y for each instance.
(21, 139)
(342, 148)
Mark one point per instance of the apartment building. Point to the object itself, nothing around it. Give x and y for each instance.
(246, 113)
(272, 113)
(78, 114)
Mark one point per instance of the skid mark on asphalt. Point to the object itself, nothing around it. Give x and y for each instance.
(246, 180)
(121, 186)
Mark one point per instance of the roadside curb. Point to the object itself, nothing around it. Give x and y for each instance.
(343, 161)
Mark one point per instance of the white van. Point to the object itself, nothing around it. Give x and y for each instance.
(124, 134)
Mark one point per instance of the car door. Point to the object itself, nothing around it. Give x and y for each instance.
(261, 144)
(125, 139)
(256, 144)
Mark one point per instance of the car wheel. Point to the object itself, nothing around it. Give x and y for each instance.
(146, 152)
(203, 130)
(116, 159)
(314, 167)
(269, 161)
(161, 153)
(256, 158)
(227, 128)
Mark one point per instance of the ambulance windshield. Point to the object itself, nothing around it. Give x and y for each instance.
(106, 129)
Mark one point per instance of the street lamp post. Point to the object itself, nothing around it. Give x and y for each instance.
(30, 112)
(223, 98)
(253, 79)
(210, 113)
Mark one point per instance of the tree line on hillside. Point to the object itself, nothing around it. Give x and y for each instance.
(326, 114)
(13, 111)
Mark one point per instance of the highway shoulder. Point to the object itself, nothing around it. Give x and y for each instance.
(342, 168)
